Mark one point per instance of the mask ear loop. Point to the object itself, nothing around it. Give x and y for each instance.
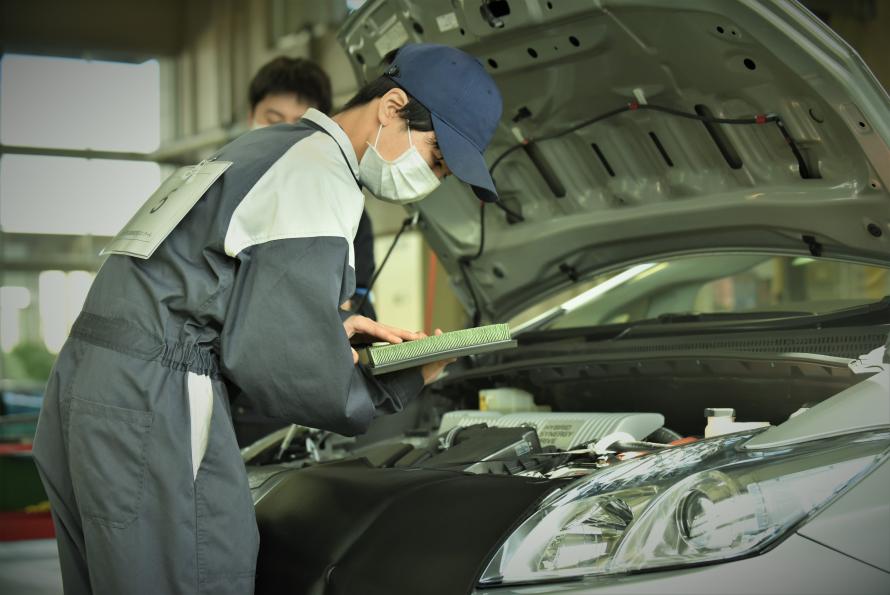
(377, 140)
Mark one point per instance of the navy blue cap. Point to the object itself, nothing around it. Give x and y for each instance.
(465, 104)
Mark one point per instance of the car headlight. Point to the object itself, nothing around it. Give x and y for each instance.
(704, 502)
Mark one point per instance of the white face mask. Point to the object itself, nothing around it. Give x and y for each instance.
(407, 178)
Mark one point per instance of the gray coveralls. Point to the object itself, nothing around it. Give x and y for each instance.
(135, 443)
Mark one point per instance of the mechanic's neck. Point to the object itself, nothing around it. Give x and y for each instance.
(360, 123)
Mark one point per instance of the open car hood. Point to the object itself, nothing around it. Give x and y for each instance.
(645, 183)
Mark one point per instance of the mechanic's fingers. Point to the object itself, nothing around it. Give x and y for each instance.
(349, 325)
(392, 331)
(404, 334)
(366, 326)
(383, 332)
(389, 335)
(354, 356)
(423, 335)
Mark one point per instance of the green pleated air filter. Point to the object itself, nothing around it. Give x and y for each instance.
(381, 359)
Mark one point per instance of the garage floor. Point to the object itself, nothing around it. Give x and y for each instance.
(30, 568)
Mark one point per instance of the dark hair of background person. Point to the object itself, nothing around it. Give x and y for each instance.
(292, 75)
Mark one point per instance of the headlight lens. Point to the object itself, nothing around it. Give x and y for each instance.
(704, 502)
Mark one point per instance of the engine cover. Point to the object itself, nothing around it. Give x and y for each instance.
(564, 430)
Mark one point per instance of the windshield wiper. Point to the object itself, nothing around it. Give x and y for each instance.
(680, 317)
(866, 314)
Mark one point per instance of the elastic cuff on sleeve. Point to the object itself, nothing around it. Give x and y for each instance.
(405, 385)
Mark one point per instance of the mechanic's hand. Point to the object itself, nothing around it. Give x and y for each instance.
(375, 331)
(360, 325)
(433, 370)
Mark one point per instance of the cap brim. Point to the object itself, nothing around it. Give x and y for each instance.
(464, 160)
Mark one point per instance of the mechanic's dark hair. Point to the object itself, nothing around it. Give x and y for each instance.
(414, 113)
(302, 77)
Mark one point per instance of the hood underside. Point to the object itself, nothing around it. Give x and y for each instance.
(646, 183)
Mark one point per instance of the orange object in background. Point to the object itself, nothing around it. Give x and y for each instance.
(430, 294)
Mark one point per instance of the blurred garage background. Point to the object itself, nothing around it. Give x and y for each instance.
(99, 101)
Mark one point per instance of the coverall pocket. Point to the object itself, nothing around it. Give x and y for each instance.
(107, 457)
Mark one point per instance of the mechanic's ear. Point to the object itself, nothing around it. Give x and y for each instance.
(390, 103)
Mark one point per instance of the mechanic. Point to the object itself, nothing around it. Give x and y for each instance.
(281, 91)
(135, 444)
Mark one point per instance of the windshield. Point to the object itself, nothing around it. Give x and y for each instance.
(706, 284)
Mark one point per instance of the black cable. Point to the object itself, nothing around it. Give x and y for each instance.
(583, 124)
(516, 216)
(804, 168)
(762, 119)
(759, 119)
(465, 262)
(405, 225)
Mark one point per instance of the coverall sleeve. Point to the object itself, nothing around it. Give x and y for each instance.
(284, 345)
(283, 341)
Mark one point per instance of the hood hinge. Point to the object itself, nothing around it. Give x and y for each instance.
(570, 271)
(814, 246)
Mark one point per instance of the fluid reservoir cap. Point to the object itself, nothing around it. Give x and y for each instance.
(719, 412)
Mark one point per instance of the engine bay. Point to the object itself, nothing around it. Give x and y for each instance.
(536, 444)
(557, 417)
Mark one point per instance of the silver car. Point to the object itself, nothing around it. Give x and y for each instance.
(692, 249)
